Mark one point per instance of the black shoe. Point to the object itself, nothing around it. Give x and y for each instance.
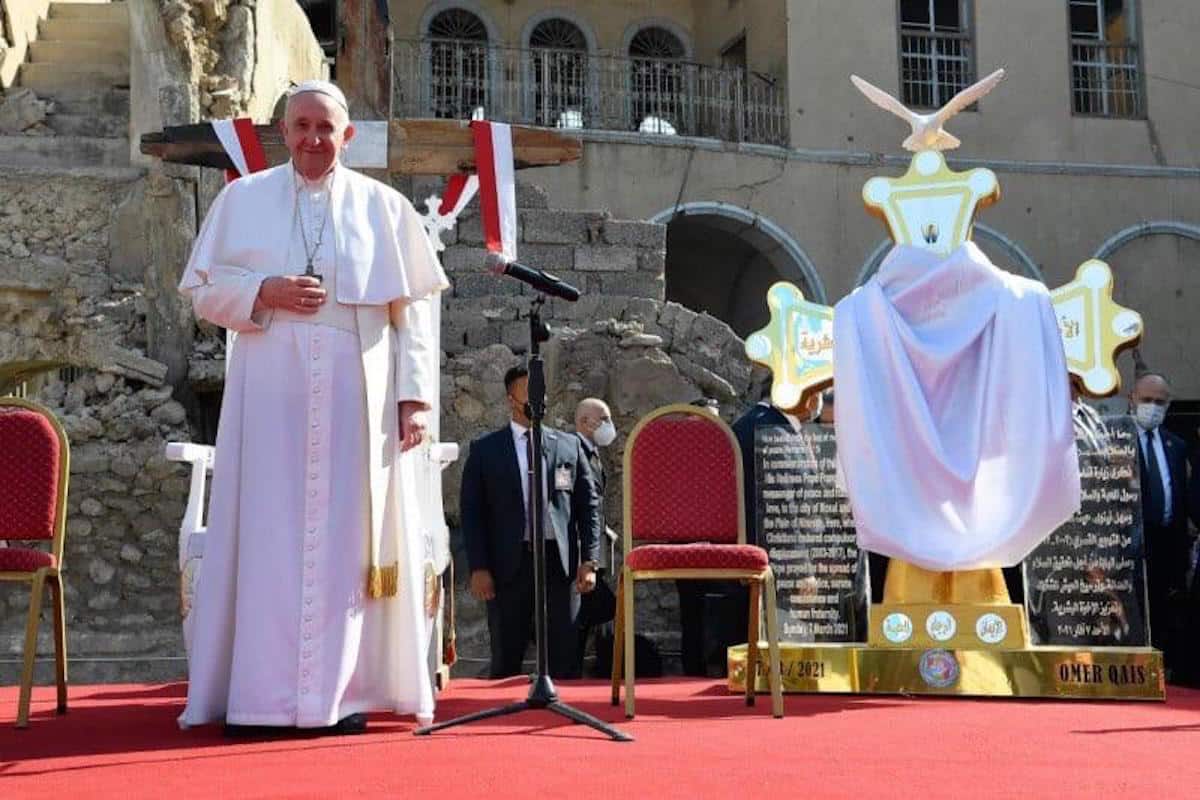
(348, 726)
(255, 731)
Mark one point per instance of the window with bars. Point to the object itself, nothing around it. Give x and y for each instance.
(458, 64)
(656, 63)
(558, 59)
(937, 58)
(1105, 79)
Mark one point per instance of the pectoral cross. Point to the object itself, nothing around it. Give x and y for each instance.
(309, 272)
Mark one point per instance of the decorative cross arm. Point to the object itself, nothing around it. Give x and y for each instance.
(797, 344)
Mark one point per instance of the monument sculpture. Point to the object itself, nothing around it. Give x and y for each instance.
(956, 452)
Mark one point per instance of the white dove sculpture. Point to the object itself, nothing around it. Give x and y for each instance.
(927, 129)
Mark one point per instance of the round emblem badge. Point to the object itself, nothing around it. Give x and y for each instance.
(991, 628)
(897, 627)
(941, 626)
(938, 668)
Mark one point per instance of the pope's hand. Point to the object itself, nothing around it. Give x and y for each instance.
(482, 586)
(299, 293)
(585, 580)
(414, 421)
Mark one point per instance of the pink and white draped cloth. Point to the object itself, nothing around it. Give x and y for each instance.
(954, 428)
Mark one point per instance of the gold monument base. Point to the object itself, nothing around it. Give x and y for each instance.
(1099, 673)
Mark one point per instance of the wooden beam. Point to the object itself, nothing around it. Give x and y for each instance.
(414, 146)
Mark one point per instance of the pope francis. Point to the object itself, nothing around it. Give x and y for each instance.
(309, 605)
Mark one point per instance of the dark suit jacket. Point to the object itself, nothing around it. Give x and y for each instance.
(492, 504)
(760, 414)
(1169, 547)
(599, 479)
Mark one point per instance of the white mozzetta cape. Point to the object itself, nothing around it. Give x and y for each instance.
(954, 426)
(309, 487)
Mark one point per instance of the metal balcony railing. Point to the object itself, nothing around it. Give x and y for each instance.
(1104, 79)
(934, 66)
(572, 89)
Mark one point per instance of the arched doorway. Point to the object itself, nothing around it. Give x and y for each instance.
(1154, 271)
(721, 259)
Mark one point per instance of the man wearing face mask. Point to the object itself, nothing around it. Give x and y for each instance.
(1163, 459)
(595, 429)
(497, 527)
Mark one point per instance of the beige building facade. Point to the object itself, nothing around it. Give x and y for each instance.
(734, 121)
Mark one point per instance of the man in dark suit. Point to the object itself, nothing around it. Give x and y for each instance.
(595, 429)
(1164, 481)
(496, 493)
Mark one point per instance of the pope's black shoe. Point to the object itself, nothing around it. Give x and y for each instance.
(347, 726)
(355, 723)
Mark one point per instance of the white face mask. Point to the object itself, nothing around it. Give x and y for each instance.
(604, 435)
(1149, 415)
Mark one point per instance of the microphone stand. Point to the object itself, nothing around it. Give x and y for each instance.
(542, 694)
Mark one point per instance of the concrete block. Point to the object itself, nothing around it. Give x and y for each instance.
(458, 258)
(638, 284)
(483, 284)
(632, 233)
(470, 228)
(552, 258)
(597, 258)
(562, 227)
(531, 196)
(653, 261)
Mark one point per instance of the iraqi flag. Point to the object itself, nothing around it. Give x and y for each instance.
(241, 143)
(497, 186)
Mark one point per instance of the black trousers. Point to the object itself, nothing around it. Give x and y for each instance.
(510, 618)
(712, 616)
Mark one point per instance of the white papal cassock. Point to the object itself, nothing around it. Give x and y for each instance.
(954, 425)
(309, 486)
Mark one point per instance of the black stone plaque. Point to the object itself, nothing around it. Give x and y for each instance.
(1086, 583)
(804, 522)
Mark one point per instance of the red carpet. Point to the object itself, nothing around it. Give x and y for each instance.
(693, 740)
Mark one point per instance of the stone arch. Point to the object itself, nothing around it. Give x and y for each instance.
(1158, 227)
(573, 17)
(438, 6)
(721, 258)
(982, 232)
(678, 30)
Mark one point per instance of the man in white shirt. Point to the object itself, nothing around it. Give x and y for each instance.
(309, 607)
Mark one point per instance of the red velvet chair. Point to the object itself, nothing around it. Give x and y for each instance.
(683, 503)
(34, 464)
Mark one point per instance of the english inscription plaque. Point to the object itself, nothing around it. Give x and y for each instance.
(805, 524)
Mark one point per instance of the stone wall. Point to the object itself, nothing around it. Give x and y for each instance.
(64, 300)
(124, 504)
(73, 306)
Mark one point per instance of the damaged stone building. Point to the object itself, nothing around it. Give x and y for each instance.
(723, 149)
(93, 238)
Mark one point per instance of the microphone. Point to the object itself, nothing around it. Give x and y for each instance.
(542, 281)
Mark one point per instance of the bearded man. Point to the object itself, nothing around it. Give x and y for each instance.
(309, 607)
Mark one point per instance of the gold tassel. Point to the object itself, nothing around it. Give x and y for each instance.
(383, 581)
